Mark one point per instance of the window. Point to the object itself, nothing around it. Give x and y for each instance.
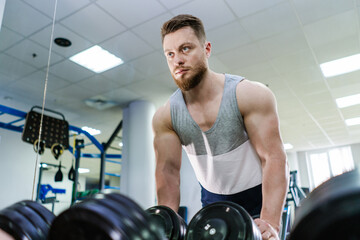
(328, 163)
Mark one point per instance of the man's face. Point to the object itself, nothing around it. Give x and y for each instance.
(186, 57)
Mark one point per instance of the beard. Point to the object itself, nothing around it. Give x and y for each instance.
(191, 78)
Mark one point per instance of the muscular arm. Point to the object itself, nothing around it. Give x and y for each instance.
(168, 159)
(258, 106)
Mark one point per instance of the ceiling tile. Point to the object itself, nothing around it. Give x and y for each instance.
(202, 8)
(171, 4)
(247, 7)
(166, 80)
(77, 43)
(124, 74)
(74, 92)
(311, 11)
(332, 28)
(346, 90)
(63, 9)
(26, 49)
(30, 20)
(98, 84)
(122, 95)
(150, 30)
(14, 68)
(151, 64)
(338, 49)
(132, 14)
(216, 65)
(4, 80)
(85, 24)
(284, 43)
(344, 80)
(304, 76)
(227, 37)
(70, 71)
(271, 21)
(294, 62)
(31, 92)
(127, 46)
(243, 56)
(260, 72)
(351, 112)
(8, 38)
(37, 79)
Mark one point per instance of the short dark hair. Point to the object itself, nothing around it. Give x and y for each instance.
(183, 20)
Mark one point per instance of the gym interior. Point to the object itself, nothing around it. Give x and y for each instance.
(106, 145)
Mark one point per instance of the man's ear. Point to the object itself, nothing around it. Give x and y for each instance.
(207, 49)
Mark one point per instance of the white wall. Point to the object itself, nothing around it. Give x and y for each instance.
(17, 164)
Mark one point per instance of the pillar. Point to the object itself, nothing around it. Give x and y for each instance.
(138, 163)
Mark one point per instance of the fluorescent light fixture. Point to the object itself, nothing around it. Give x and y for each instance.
(96, 59)
(83, 170)
(288, 146)
(44, 165)
(91, 131)
(352, 121)
(348, 101)
(341, 66)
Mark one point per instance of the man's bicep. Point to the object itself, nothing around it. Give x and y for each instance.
(262, 123)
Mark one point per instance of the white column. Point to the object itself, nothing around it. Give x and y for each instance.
(138, 163)
(2, 7)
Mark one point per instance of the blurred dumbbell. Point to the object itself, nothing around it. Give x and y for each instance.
(220, 221)
(106, 217)
(331, 211)
(26, 220)
(169, 222)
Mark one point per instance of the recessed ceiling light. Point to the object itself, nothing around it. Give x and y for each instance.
(352, 121)
(83, 170)
(62, 42)
(96, 59)
(91, 131)
(341, 66)
(348, 101)
(288, 146)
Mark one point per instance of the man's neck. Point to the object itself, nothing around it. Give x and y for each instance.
(210, 86)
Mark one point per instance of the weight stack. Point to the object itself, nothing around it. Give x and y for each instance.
(331, 211)
(105, 217)
(26, 220)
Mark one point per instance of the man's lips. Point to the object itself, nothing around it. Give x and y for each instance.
(181, 71)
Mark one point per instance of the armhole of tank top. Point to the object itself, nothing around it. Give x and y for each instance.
(238, 111)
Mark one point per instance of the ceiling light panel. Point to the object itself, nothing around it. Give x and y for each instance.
(96, 59)
(341, 66)
(348, 101)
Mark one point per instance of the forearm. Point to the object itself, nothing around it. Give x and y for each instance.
(274, 189)
(168, 189)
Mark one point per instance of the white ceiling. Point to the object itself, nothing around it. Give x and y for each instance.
(277, 42)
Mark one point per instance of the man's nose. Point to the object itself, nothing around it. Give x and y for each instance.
(179, 60)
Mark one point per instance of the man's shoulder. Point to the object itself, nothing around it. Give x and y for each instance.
(252, 95)
(162, 116)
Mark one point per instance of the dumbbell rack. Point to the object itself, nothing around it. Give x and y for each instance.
(14, 121)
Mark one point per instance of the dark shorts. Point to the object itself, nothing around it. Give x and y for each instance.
(250, 199)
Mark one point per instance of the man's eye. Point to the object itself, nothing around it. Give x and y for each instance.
(185, 49)
(170, 54)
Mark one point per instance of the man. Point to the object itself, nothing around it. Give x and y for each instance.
(228, 127)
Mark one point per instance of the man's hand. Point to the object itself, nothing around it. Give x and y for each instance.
(267, 231)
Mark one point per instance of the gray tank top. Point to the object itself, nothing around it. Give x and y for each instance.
(223, 158)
